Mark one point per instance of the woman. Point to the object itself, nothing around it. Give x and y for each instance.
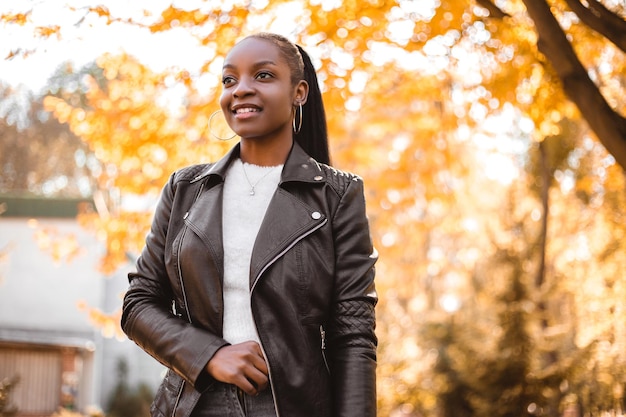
(256, 284)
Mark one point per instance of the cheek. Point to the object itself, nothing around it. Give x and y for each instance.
(224, 102)
(283, 106)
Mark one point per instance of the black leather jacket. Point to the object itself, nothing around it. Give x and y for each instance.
(311, 281)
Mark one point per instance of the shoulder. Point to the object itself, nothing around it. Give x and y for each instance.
(340, 180)
(190, 173)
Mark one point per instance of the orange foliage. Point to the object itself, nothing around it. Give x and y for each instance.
(122, 235)
(46, 31)
(130, 127)
(181, 17)
(108, 323)
(16, 18)
(101, 11)
(61, 247)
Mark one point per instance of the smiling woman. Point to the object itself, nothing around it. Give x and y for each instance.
(266, 257)
(259, 98)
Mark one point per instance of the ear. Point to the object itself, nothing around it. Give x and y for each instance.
(301, 93)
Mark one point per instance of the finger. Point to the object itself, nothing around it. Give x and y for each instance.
(258, 379)
(242, 365)
(264, 385)
(247, 386)
(256, 357)
(252, 347)
(259, 363)
(259, 351)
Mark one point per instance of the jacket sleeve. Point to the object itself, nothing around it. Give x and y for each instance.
(351, 329)
(147, 315)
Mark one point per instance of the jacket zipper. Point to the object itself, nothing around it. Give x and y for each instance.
(323, 337)
(281, 253)
(180, 245)
(182, 290)
(274, 259)
(180, 273)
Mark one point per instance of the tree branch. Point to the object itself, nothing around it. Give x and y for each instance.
(608, 125)
(602, 20)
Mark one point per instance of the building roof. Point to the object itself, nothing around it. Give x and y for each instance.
(36, 206)
(84, 340)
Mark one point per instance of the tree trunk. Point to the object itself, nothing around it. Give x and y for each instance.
(608, 125)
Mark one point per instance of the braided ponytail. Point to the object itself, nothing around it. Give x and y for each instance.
(313, 137)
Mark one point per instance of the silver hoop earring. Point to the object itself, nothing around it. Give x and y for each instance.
(211, 130)
(293, 122)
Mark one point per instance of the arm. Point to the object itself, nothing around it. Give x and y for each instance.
(147, 316)
(351, 338)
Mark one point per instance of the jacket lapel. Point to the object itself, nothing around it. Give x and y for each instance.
(286, 221)
(205, 215)
(205, 219)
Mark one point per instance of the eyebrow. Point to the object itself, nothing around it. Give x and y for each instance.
(256, 64)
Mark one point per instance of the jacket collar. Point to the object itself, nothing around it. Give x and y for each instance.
(299, 166)
(287, 219)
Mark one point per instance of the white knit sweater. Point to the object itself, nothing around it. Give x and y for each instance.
(242, 215)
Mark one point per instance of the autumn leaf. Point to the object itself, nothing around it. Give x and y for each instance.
(16, 18)
(101, 11)
(47, 31)
(62, 247)
(108, 323)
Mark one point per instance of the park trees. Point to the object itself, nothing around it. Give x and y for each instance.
(491, 139)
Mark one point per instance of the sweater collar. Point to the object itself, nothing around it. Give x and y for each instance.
(299, 166)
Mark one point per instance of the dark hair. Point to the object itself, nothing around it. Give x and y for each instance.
(313, 137)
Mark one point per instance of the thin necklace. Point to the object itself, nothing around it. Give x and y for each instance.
(243, 166)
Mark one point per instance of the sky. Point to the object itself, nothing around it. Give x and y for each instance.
(83, 43)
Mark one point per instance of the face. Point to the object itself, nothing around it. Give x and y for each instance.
(258, 96)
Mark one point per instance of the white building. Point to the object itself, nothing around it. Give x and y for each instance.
(46, 339)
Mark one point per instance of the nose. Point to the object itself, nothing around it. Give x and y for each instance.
(243, 88)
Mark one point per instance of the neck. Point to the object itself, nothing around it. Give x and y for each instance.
(257, 152)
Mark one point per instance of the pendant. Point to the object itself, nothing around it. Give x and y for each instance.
(252, 191)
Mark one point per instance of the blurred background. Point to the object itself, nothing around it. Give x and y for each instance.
(490, 135)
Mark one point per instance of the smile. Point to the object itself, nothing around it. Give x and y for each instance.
(245, 110)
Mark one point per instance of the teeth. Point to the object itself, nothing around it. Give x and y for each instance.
(246, 110)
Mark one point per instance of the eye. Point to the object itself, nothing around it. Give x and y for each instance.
(264, 75)
(227, 80)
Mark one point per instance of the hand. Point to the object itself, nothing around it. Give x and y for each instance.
(242, 365)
